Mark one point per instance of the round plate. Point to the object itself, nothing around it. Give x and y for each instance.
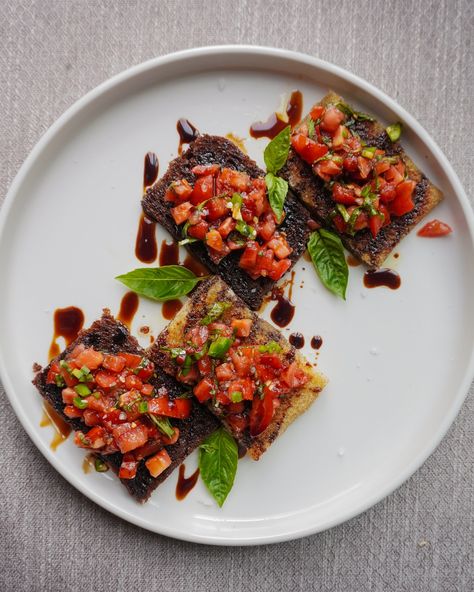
(399, 362)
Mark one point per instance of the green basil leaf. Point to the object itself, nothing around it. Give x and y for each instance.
(327, 254)
(160, 283)
(218, 458)
(216, 311)
(277, 190)
(276, 152)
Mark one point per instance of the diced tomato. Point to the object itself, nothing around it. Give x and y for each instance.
(279, 268)
(294, 376)
(128, 398)
(237, 422)
(272, 360)
(91, 418)
(435, 228)
(146, 371)
(403, 202)
(96, 437)
(225, 372)
(72, 412)
(53, 371)
(267, 226)
(178, 408)
(257, 196)
(205, 365)
(201, 169)
(198, 335)
(279, 245)
(308, 149)
(264, 262)
(204, 389)
(217, 208)
(198, 230)
(362, 221)
(246, 386)
(178, 191)
(129, 436)
(261, 413)
(365, 166)
(131, 360)
(203, 189)
(222, 398)
(114, 363)
(68, 395)
(151, 447)
(182, 212)
(147, 390)
(387, 193)
(339, 137)
(242, 327)
(343, 195)
(332, 118)
(158, 463)
(100, 405)
(236, 407)
(226, 227)
(214, 241)
(133, 382)
(350, 164)
(327, 169)
(106, 379)
(393, 175)
(339, 223)
(382, 166)
(188, 377)
(242, 362)
(230, 178)
(248, 259)
(316, 112)
(169, 440)
(383, 210)
(375, 224)
(90, 358)
(128, 468)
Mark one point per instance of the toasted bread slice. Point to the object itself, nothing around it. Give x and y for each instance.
(111, 336)
(208, 150)
(196, 308)
(310, 189)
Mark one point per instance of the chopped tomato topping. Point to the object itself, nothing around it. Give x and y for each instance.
(308, 149)
(179, 408)
(242, 327)
(331, 120)
(114, 363)
(435, 228)
(403, 202)
(128, 468)
(203, 189)
(90, 358)
(129, 436)
(158, 463)
(210, 169)
(182, 212)
(204, 389)
(261, 414)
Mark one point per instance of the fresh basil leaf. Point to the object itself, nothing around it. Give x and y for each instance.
(327, 254)
(218, 458)
(216, 311)
(160, 283)
(359, 115)
(277, 190)
(276, 152)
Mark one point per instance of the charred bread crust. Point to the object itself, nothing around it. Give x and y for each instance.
(311, 191)
(111, 336)
(196, 307)
(216, 150)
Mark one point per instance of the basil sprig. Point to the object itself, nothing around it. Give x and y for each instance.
(275, 156)
(218, 458)
(327, 255)
(160, 283)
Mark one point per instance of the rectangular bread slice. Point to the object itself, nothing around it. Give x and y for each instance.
(312, 193)
(111, 336)
(196, 308)
(207, 150)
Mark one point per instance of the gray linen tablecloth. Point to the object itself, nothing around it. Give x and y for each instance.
(419, 538)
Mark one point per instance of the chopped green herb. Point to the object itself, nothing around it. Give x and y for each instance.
(369, 152)
(163, 424)
(100, 466)
(272, 347)
(187, 241)
(216, 311)
(236, 206)
(220, 347)
(351, 113)
(394, 131)
(341, 208)
(82, 390)
(79, 403)
(59, 380)
(236, 397)
(311, 128)
(245, 229)
(142, 406)
(97, 395)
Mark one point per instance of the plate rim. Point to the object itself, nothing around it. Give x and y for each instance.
(278, 53)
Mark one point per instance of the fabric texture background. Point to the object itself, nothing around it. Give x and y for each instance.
(419, 538)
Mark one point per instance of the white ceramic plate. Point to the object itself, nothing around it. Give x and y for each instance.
(399, 362)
